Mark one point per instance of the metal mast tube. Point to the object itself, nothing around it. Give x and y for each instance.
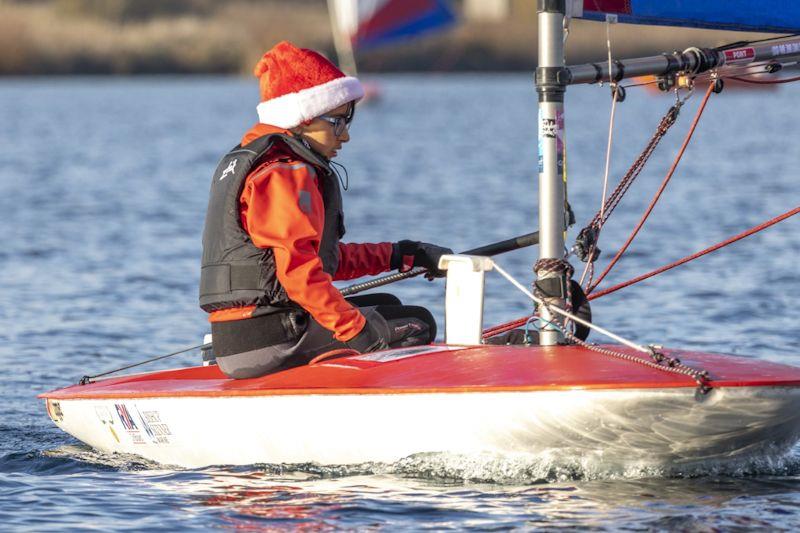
(550, 85)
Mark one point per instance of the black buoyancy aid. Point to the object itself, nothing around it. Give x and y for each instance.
(235, 272)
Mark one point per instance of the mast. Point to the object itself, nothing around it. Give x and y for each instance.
(550, 86)
(341, 18)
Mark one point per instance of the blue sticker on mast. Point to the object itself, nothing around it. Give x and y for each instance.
(552, 128)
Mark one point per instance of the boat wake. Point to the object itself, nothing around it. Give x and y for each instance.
(70, 459)
(115, 461)
(526, 469)
(506, 469)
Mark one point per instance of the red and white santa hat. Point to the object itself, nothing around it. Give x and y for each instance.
(298, 85)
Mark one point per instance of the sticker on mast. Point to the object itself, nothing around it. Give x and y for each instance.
(551, 128)
(740, 55)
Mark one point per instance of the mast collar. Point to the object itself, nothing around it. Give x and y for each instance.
(553, 76)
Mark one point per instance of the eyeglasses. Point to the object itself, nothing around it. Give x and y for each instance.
(339, 123)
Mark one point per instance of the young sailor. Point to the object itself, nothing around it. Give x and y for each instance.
(271, 245)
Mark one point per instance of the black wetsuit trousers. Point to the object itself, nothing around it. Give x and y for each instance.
(401, 325)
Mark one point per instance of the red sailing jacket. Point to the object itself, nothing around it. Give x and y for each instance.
(276, 215)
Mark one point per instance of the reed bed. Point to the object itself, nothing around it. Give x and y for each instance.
(42, 40)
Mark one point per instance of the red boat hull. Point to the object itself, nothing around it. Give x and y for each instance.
(446, 369)
(549, 403)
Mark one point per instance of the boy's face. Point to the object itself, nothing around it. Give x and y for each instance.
(321, 136)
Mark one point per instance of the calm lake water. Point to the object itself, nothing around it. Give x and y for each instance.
(103, 186)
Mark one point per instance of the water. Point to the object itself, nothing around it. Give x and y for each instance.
(103, 187)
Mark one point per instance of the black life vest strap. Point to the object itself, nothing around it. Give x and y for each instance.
(238, 336)
(226, 278)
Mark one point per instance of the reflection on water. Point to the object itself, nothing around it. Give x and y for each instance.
(391, 501)
(314, 497)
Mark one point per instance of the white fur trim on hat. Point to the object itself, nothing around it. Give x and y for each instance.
(293, 109)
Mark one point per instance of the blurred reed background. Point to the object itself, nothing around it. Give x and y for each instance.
(65, 37)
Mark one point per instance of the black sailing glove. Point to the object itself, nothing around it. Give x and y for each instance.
(422, 254)
(369, 339)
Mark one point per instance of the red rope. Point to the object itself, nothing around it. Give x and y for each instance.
(657, 196)
(701, 253)
(764, 82)
(502, 328)
(507, 326)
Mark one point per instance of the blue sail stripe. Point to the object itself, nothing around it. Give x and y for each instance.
(438, 17)
(771, 16)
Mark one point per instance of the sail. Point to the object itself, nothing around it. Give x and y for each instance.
(771, 16)
(371, 23)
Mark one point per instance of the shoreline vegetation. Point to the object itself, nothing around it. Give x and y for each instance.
(127, 37)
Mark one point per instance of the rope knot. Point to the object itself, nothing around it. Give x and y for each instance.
(553, 265)
(555, 286)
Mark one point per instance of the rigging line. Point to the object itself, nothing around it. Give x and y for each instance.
(729, 71)
(658, 361)
(764, 82)
(642, 84)
(609, 145)
(732, 74)
(667, 121)
(701, 253)
(589, 264)
(588, 235)
(87, 379)
(506, 326)
(567, 314)
(637, 166)
(502, 328)
(659, 192)
(738, 44)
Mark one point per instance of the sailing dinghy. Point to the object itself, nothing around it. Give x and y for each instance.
(625, 404)
(369, 24)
